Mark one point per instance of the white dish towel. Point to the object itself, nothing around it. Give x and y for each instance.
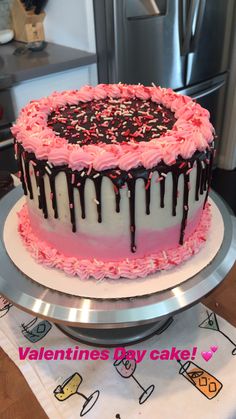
(150, 389)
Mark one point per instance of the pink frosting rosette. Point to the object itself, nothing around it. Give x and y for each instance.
(80, 159)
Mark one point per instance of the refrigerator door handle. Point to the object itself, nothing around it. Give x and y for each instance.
(208, 91)
(185, 47)
(199, 21)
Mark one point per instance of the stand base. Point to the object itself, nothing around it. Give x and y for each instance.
(117, 336)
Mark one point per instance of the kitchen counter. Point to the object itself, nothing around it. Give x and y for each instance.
(54, 58)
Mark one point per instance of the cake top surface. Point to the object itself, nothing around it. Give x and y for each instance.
(111, 121)
(114, 125)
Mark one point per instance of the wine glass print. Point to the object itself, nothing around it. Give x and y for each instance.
(211, 322)
(126, 368)
(206, 383)
(34, 334)
(5, 306)
(70, 387)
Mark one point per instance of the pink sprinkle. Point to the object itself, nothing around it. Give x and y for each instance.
(78, 184)
(189, 171)
(159, 179)
(51, 196)
(89, 170)
(182, 165)
(71, 206)
(33, 163)
(73, 178)
(186, 207)
(130, 176)
(37, 173)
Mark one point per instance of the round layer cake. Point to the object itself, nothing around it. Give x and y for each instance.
(116, 177)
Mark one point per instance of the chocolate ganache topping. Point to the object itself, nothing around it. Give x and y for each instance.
(111, 121)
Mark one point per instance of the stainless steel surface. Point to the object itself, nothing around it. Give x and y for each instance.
(141, 41)
(173, 43)
(99, 313)
(210, 43)
(116, 336)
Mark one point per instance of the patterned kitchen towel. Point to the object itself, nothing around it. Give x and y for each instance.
(187, 371)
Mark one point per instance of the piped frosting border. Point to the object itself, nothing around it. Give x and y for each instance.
(192, 130)
(127, 268)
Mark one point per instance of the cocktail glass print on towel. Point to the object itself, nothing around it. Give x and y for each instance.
(5, 306)
(211, 323)
(35, 332)
(70, 387)
(206, 383)
(126, 368)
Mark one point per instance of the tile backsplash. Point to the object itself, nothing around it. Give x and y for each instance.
(5, 14)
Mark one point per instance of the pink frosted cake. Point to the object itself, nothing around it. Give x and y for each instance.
(116, 179)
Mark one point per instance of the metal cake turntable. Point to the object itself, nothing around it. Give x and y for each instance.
(113, 322)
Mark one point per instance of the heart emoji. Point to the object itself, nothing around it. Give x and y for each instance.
(207, 355)
(214, 348)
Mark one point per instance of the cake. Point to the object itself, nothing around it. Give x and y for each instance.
(116, 179)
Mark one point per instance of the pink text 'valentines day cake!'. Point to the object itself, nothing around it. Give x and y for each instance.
(116, 178)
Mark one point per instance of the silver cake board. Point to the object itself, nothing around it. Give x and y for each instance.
(109, 322)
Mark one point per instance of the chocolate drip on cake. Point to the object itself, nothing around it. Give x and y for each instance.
(185, 208)
(119, 178)
(175, 179)
(70, 189)
(131, 194)
(81, 186)
(98, 185)
(53, 195)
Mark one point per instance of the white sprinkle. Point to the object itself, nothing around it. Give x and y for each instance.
(48, 170)
(163, 174)
(82, 174)
(97, 175)
(50, 164)
(153, 84)
(202, 164)
(164, 254)
(96, 201)
(129, 193)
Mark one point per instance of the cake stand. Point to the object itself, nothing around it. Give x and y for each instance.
(112, 322)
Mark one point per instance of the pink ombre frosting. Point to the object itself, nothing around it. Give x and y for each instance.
(192, 130)
(126, 268)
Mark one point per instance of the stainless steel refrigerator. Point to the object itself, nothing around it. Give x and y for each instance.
(182, 44)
